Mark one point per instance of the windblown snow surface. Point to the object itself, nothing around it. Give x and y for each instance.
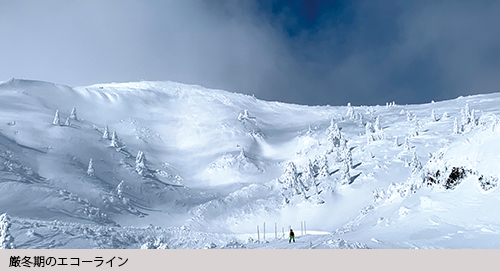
(219, 164)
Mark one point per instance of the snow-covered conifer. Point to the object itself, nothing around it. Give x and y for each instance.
(333, 136)
(456, 128)
(323, 170)
(345, 176)
(140, 163)
(350, 111)
(73, 114)
(406, 145)
(291, 183)
(396, 141)
(408, 116)
(56, 119)
(415, 163)
(105, 135)
(119, 189)
(67, 122)
(115, 141)
(369, 133)
(433, 116)
(6, 239)
(416, 127)
(90, 170)
(308, 175)
(377, 126)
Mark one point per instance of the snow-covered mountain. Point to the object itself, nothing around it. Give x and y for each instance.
(169, 165)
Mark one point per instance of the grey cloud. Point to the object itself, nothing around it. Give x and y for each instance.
(374, 52)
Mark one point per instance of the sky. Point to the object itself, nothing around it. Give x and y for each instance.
(305, 52)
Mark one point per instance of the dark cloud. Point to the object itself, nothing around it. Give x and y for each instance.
(320, 52)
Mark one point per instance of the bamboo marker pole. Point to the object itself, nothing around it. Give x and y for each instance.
(275, 231)
(258, 236)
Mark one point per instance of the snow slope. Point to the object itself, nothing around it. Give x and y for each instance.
(216, 166)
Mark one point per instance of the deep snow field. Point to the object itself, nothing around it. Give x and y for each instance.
(190, 167)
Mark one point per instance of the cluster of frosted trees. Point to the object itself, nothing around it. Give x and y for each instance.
(72, 116)
(468, 120)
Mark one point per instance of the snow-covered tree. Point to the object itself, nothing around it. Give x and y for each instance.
(6, 239)
(396, 141)
(416, 127)
(73, 114)
(57, 120)
(408, 116)
(67, 122)
(433, 116)
(473, 118)
(90, 170)
(345, 175)
(115, 141)
(140, 163)
(105, 135)
(350, 111)
(415, 163)
(291, 183)
(377, 126)
(369, 133)
(333, 136)
(456, 127)
(406, 145)
(323, 168)
(308, 178)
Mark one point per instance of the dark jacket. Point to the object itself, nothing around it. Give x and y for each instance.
(292, 234)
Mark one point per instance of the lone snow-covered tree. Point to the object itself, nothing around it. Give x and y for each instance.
(369, 133)
(433, 116)
(333, 137)
(57, 120)
(105, 135)
(377, 126)
(456, 128)
(416, 127)
(6, 239)
(140, 163)
(90, 170)
(73, 114)
(406, 145)
(115, 141)
(67, 122)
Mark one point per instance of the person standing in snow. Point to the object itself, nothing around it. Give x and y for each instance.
(292, 236)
